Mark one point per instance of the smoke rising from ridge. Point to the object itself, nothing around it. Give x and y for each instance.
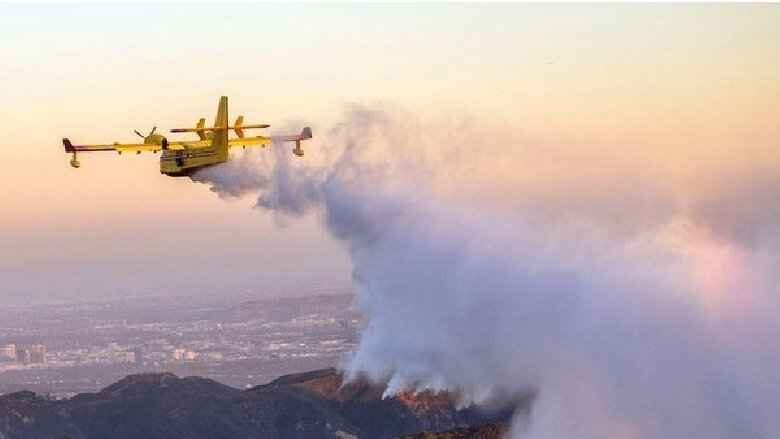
(631, 310)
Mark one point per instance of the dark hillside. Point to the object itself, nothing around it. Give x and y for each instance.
(307, 405)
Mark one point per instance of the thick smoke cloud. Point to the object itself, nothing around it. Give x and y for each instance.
(644, 316)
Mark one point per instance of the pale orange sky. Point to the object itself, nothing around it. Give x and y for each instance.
(684, 89)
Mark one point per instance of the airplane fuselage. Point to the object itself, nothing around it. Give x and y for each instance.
(183, 162)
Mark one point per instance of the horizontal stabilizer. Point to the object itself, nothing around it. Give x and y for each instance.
(196, 130)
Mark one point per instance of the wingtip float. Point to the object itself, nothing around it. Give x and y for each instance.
(181, 158)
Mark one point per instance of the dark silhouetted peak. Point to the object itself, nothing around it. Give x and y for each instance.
(301, 378)
(152, 383)
(140, 384)
(143, 379)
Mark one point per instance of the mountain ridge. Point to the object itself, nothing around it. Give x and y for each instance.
(305, 405)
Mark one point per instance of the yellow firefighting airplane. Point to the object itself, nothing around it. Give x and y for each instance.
(184, 158)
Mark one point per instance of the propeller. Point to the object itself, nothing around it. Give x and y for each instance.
(144, 137)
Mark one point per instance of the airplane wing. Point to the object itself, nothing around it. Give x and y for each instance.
(305, 134)
(129, 147)
(126, 147)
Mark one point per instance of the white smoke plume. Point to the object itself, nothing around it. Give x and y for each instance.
(631, 311)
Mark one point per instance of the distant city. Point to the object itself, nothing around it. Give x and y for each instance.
(61, 350)
(35, 354)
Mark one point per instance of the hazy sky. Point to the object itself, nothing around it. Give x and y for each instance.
(675, 86)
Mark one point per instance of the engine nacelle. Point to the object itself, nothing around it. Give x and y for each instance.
(238, 127)
(202, 135)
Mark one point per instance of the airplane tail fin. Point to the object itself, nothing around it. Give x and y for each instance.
(220, 139)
